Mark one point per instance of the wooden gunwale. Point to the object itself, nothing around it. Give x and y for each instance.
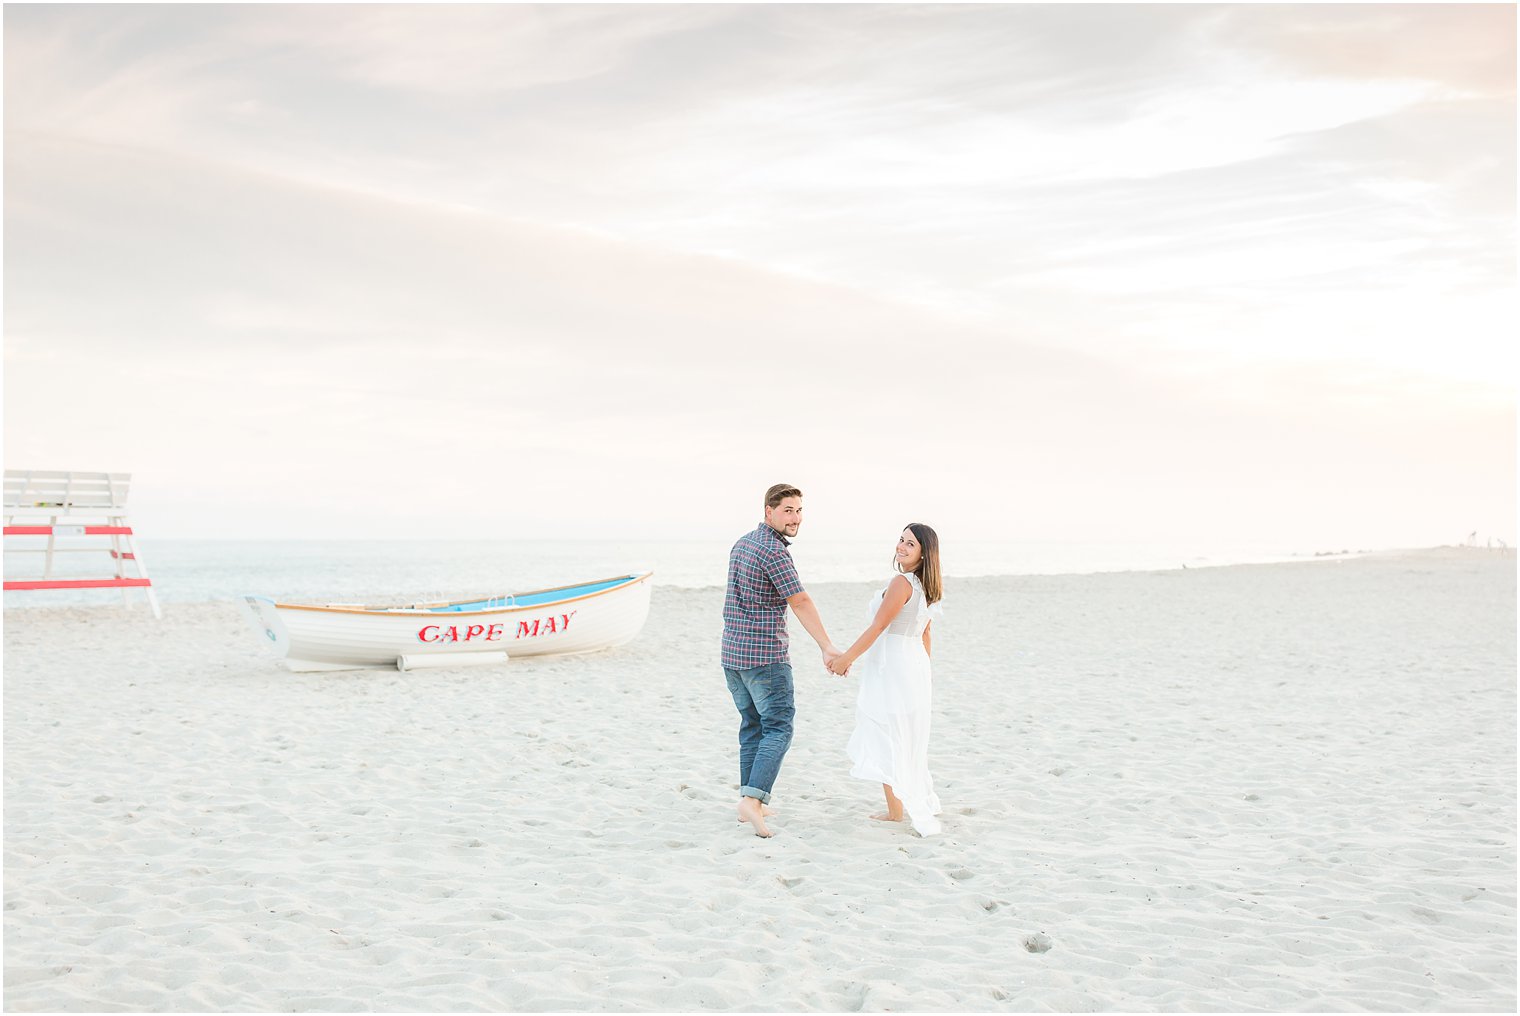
(424, 611)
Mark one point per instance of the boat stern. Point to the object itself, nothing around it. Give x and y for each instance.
(267, 623)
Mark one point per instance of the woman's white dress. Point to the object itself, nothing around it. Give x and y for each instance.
(891, 740)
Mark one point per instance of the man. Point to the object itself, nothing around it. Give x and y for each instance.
(762, 583)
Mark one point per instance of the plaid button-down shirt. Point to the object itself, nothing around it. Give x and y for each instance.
(761, 576)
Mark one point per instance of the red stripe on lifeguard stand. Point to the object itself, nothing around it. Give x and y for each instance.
(68, 530)
(78, 584)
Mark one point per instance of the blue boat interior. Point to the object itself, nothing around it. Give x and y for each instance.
(534, 599)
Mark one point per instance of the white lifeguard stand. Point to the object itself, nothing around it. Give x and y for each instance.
(50, 503)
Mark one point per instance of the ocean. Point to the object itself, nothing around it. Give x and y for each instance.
(374, 571)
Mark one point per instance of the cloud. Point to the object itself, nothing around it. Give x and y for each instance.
(1464, 48)
(468, 52)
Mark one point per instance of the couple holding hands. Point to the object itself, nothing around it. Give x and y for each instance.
(890, 744)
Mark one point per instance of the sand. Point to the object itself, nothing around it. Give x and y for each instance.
(1275, 787)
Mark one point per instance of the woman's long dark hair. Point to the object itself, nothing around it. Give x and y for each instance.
(928, 564)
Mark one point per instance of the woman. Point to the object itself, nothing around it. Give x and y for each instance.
(891, 740)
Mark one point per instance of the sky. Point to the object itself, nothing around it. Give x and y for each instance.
(1170, 274)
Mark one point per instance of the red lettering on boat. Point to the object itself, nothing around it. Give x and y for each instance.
(552, 625)
(422, 636)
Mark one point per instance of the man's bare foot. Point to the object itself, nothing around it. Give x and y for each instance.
(886, 817)
(752, 811)
(765, 810)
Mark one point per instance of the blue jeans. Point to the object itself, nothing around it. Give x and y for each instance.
(763, 696)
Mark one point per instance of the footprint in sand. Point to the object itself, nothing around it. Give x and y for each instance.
(961, 874)
(1038, 942)
(789, 882)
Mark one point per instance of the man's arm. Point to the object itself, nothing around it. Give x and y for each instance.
(807, 612)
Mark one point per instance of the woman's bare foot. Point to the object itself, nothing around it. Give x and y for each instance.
(894, 812)
(752, 811)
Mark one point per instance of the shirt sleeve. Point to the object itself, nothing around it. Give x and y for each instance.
(783, 575)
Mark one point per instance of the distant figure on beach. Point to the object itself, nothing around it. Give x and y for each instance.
(890, 744)
(762, 583)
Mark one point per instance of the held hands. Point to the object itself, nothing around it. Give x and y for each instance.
(831, 658)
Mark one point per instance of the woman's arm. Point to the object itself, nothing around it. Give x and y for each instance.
(898, 591)
(926, 638)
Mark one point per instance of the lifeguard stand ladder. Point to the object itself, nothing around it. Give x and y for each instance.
(68, 504)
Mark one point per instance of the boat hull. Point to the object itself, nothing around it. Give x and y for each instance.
(337, 637)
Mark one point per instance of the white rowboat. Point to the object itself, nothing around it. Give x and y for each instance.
(582, 618)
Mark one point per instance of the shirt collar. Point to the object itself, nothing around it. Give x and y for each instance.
(765, 528)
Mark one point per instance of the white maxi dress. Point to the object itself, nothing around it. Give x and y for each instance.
(891, 740)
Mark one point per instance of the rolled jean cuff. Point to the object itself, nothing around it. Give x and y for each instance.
(764, 797)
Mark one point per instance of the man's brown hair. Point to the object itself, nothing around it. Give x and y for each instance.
(780, 492)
